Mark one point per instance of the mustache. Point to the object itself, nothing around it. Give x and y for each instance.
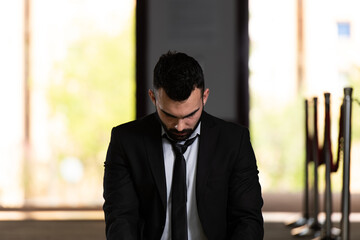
(173, 130)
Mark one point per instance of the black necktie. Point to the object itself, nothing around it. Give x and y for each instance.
(179, 192)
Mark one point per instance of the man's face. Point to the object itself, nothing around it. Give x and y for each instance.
(179, 117)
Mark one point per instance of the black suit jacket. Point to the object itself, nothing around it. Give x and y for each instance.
(228, 192)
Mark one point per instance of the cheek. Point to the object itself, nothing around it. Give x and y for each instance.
(191, 122)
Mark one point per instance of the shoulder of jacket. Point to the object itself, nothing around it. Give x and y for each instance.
(136, 126)
(224, 124)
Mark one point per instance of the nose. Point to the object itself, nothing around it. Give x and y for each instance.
(180, 125)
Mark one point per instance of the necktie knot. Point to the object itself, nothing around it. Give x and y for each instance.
(183, 147)
(178, 147)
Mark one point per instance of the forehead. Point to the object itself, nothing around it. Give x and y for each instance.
(179, 108)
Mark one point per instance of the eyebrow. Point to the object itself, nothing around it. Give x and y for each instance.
(186, 116)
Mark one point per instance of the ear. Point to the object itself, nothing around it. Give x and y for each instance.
(152, 96)
(206, 95)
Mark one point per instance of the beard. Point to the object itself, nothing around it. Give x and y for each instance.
(179, 135)
(176, 135)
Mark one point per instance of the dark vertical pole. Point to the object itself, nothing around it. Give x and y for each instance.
(306, 214)
(242, 62)
(312, 228)
(315, 225)
(328, 163)
(345, 225)
(141, 57)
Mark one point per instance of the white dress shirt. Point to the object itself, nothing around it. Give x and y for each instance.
(195, 231)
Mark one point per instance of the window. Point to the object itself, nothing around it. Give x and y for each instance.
(282, 44)
(81, 83)
(343, 29)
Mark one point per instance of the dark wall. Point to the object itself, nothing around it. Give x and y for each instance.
(215, 32)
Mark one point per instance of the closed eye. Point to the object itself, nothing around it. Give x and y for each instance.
(186, 116)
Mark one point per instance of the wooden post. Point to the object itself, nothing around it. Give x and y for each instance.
(26, 91)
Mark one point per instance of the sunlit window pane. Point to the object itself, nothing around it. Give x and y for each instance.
(82, 84)
(343, 29)
(295, 55)
(11, 103)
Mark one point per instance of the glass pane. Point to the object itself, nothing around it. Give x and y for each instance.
(297, 55)
(11, 103)
(82, 83)
(343, 29)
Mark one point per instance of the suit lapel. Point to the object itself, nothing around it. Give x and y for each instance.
(153, 143)
(207, 146)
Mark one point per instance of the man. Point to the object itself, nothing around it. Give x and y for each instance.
(155, 188)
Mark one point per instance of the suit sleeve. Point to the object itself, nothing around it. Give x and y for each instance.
(245, 200)
(121, 201)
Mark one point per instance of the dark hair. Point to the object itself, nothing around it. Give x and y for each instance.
(178, 74)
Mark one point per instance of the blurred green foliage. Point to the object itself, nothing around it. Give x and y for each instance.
(93, 90)
(354, 82)
(278, 138)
